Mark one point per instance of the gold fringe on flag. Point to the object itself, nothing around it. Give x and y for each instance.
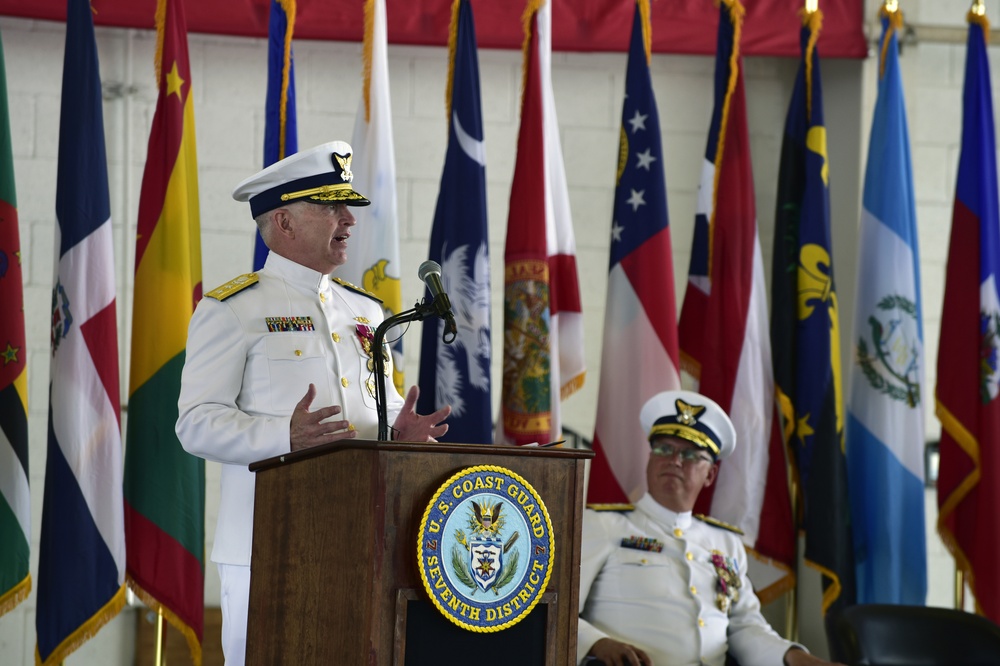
(647, 29)
(895, 16)
(15, 595)
(286, 74)
(736, 15)
(86, 631)
(452, 46)
(813, 20)
(968, 443)
(530, 9)
(160, 19)
(192, 639)
(366, 56)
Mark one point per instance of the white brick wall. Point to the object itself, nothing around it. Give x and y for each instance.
(229, 76)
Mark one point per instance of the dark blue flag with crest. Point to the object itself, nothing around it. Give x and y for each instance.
(459, 374)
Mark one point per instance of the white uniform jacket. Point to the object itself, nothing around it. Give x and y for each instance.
(647, 578)
(251, 357)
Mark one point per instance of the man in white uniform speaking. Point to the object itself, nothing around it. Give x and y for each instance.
(283, 359)
(661, 586)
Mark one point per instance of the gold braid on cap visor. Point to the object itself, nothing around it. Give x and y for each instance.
(685, 432)
(325, 193)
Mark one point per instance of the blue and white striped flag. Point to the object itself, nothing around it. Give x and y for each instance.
(459, 374)
(81, 568)
(885, 424)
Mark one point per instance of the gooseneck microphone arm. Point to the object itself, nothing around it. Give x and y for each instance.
(440, 306)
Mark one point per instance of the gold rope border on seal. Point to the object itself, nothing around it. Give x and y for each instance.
(420, 541)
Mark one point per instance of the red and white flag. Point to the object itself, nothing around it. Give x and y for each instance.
(543, 325)
(723, 328)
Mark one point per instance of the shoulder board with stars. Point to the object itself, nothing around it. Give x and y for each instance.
(355, 288)
(717, 523)
(611, 507)
(234, 286)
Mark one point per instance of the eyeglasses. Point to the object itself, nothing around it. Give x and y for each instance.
(687, 456)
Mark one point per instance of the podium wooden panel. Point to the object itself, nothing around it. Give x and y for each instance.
(334, 549)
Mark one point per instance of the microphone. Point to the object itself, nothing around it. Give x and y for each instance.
(430, 273)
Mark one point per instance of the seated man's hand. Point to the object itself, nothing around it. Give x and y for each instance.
(797, 657)
(616, 653)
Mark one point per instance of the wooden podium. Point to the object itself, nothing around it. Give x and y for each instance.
(334, 572)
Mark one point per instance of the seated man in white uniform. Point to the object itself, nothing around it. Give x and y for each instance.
(282, 359)
(661, 586)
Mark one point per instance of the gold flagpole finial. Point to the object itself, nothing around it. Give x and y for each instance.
(812, 5)
(891, 6)
(978, 8)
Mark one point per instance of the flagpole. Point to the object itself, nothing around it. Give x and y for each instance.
(160, 659)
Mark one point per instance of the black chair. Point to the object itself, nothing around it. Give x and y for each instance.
(888, 635)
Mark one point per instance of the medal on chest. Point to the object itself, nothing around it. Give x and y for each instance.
(727, 590)
(366, 335)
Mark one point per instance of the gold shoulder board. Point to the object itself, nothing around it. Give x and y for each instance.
(355, 288)
(234, 286)
(717, 523)
(611, 507)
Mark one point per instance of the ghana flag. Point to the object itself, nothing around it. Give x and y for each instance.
(164, 485)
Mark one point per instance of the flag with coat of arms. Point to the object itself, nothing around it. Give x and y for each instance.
(968, 370)
(543, 324)
(81, 557)
(885, 416)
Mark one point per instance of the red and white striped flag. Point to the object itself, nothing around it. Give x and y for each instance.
(543, 325)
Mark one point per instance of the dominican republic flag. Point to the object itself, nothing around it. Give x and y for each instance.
(15, 496)
(280, 133)
(885, 419)
(805, 331)
(81, 559)
(458, 374)
(640, 354)
(373, 259)
(723, 329)
(543, 323)
(164, 484)
(968, 368)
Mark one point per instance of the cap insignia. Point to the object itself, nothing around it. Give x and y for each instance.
(345, 167)
(688, 414)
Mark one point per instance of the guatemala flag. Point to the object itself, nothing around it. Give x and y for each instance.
(885, 424)
(459, 374)
(81, 567)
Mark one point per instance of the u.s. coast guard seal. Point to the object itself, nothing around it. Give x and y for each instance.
(485, 548)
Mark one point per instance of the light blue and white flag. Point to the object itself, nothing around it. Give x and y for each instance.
(885, 424)
(458, 374)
